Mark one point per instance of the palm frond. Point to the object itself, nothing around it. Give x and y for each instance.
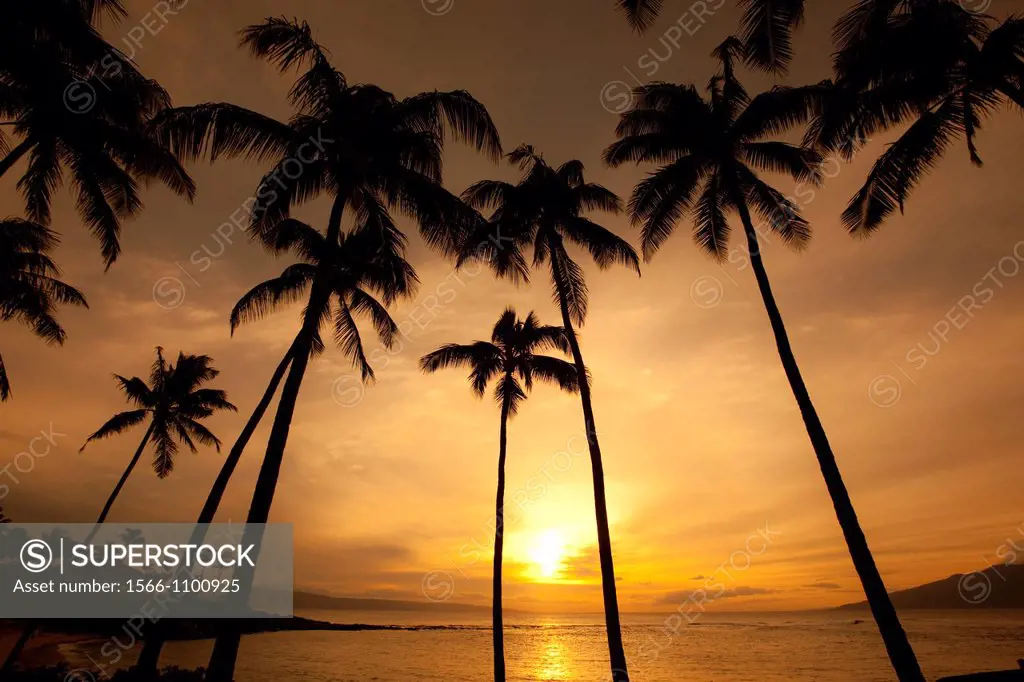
(662, 199)
(459, 112)
(283, 42)
(641, 13)
(900, 168)
(346, 335)
(215, 130)
(265, 297)
(767, 31)
(710, 222)
(605, 247)
(117, 424)
(5, 384)
(557, 371)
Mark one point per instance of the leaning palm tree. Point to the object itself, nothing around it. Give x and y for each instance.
(545, 211)
(175, 403)
(366, 149)
(77, 107)
(766, 27)
(712, 150)
(340, 279)
(510, 357)
(935, 68)
(30, 290)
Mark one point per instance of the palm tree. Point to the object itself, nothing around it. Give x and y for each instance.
(29, 286)
(77, 106)
(366, 149)
(932, 66)
(344, 278)
(510, 357)
(545, 210)
(175, 404)
(711, 150)
(153, 643)
(766, 27)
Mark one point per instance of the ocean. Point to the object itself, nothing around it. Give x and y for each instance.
(724, 647)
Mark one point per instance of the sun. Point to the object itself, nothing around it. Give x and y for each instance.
(548, 552)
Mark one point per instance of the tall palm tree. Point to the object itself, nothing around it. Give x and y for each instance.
(30, 290)
(75, 105)
(358, 144)
(934, 67)
(545, 210)
(766, 27)
(510, 357)
(344, 278)
(175, 403)
(712, 150)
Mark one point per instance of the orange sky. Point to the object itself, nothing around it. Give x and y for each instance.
(703, 443)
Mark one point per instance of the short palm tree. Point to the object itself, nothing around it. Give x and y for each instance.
(931, 66)
(30, 290)
(370, 152)
(767, 27)
(50, 52)
(175, 403)
(545, 211)
(510, 357)
(711, 150)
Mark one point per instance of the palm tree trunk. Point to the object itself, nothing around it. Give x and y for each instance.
(616, 651)
(14, 156)
(896, 643)
(497, 626)
(120, 484)
(225, 649)
(150, 657)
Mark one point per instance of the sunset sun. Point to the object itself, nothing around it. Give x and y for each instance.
(547, 553)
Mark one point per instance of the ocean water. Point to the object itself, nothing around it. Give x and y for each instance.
(797, 647)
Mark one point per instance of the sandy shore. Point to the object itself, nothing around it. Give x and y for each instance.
(42, 649)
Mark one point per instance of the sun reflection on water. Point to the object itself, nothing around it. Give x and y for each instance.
(553, 660)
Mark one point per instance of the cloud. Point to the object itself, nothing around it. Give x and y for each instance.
(825, 586)
(682, 596)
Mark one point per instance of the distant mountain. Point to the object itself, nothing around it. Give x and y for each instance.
(997, 587)
(311, 600)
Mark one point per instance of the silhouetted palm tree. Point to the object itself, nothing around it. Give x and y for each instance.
(712, 149)
(30, 290)
(932, 66)
(77, 106)
(343, 277)
(545, 211)
(153, 643)
(766, 27)
(175, 404)
(366, 149)
(510, 357)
